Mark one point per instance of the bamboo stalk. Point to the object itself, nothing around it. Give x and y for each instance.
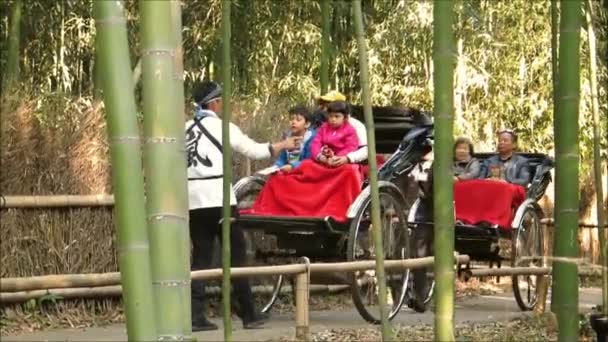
(113, 278)
(302, 315)
(325, 45)
(508, 271)
(178, 97)
(165, 170)
(55, 201)
(116, 291)
(227, 168)
(565, 284)
(14, 39)
(373, 169)
(542, 286)
(597, 161)
(443, 189)
(127, 176)
(59, 281)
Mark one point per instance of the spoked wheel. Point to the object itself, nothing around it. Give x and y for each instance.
(527, 251)
(266, 289)
(395, 240)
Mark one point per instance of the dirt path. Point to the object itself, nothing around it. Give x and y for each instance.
(469, 309)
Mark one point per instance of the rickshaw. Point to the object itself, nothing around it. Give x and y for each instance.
(521, 244)
(402, 133)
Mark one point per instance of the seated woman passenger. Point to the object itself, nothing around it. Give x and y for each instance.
(507, 166)
(299, 119)
(335, 138)
(465, 166)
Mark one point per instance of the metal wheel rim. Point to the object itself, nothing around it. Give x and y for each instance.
(278, 285)
(529, 293)
(405, 275)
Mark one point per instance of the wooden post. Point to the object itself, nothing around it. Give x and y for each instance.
(302, 321)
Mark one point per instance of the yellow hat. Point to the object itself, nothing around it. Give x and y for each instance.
(332, 96)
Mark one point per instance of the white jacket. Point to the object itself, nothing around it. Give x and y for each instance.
(360, 154)
(205, 159)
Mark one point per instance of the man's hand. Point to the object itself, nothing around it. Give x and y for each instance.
(287, 168)
(292, 143)
(456, 179)
(338, 161)
(287, 144)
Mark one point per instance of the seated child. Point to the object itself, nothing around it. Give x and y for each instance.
(299, 119)
(336, 137)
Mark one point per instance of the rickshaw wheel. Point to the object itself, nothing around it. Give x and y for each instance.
(266, 289)
(527, 251)
(395, 241)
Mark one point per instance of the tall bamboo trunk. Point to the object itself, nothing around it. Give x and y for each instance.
(597, 159)
(165, 167)
(543, 282)
(227, 166)
(14, 39)
(565, 276)
(127, 175)
(373, 168)
(443, 187)
(325, 45)
(178, 97)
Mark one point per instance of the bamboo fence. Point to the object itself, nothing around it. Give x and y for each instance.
(64, 281)
(301, 271)
(56, 201)
(116, 291)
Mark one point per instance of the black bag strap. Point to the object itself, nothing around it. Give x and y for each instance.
(197, 123)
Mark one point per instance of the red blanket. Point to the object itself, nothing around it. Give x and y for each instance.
(311, 190)
(487, 201)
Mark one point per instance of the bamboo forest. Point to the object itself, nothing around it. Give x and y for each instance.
(304, 170)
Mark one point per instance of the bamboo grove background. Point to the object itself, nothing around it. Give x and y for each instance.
(53, 135)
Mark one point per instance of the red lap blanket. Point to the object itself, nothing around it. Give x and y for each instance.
(487, 201)
(311, 190)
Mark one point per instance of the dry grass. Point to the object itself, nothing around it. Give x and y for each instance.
(34, 316)
(525, 328)
(57, 145)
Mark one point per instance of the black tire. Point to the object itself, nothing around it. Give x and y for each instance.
(266, 289)
(527, 251)
(396, 246)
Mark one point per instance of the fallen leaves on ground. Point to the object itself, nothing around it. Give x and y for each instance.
(525, 328)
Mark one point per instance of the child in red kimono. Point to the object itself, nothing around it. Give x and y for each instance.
(336, 137)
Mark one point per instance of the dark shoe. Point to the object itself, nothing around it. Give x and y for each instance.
(203, 325)
(416, 305)
(255, 323)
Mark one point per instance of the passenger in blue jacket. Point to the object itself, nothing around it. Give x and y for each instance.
(507, 166)
(299, 120)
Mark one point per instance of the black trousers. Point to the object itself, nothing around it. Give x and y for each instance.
(204, 229)
(423, 246)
